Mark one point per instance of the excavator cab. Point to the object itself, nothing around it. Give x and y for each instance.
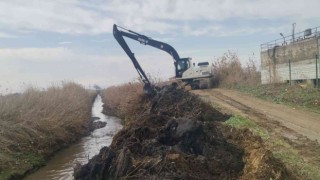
(182, 65)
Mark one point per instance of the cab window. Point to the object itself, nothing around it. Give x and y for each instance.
(182, 65)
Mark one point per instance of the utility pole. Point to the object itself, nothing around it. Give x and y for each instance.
(293, 29)
(317, 77)
(284, 56)
(290, 72)
(284, 39)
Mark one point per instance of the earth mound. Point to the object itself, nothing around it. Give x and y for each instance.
(174, 135)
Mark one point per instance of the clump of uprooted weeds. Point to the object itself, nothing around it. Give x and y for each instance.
(174, 136)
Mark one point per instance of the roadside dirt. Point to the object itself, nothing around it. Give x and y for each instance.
(299, 128)
(177, 136)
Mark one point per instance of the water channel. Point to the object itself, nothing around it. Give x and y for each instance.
(60, 167)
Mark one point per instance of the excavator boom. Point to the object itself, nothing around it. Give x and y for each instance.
(148, 41)
(120, 32)
(119, 37)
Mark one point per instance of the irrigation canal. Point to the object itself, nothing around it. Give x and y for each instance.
(60, 167)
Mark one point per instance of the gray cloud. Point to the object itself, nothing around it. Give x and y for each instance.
(52, 16)
(6, 35)
(214, 9)
(81, 17)
(65, 42)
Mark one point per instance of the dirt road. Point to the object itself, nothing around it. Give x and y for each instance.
(280, 118)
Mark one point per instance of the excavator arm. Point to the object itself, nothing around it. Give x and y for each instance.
(119, 37)
(179, 63)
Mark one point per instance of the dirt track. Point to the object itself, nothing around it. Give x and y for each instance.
(303, 122)
(300, 129)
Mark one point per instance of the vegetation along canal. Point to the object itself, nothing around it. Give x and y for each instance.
(61, 165)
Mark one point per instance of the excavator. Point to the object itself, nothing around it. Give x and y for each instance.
(186, 71)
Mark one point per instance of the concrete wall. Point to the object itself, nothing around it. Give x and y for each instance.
(302, 53)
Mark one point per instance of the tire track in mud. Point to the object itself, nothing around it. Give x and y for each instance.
(309, 149)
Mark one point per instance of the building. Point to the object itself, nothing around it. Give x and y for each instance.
(294, 57)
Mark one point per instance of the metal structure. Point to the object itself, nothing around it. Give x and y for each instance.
(285, 40)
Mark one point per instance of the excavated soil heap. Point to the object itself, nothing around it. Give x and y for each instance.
(174, 135)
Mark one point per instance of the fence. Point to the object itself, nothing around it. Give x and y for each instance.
(290, 39)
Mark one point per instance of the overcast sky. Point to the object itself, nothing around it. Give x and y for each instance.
(47, 41)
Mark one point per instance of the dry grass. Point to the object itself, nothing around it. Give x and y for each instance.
(295, 95)
(36, 123)
(121, 100)
(118, 100)
(228, 71)
(285, 151)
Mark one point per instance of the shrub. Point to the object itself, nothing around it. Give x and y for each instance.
(228, 71)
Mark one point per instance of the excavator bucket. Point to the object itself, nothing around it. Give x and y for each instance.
(148, 89)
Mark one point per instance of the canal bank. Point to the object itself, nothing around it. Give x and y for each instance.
(61, 165)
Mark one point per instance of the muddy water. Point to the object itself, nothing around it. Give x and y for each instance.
(61, 165)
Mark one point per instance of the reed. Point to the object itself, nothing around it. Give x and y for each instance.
(37, 123)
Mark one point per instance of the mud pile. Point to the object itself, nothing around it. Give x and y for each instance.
(174, 135)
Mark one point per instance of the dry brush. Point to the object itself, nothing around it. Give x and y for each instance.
(228, 71)
(37, 123)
